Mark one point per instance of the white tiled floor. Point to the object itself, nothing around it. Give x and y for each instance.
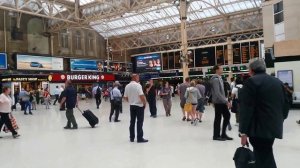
(173, 143)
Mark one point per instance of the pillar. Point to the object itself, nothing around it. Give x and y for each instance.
(229, 54)
(184, 41)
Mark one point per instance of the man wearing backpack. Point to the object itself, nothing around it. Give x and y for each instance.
(97, 90)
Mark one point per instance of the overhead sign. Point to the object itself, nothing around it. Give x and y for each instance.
(86, 65)
(29, 78)
(81, 77)
(3, 61)
(40, 63)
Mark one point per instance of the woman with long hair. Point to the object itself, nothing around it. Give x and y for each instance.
(192, 96)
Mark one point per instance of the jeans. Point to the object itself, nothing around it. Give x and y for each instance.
(167, 105)
(56, 99)
(152, 107)
(71, 119)
(98, 101)
(27, 106)
(263, 152)
(6, 120)
(136, 113)
(116, 109)
(221, 110)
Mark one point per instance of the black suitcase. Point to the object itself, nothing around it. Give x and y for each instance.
(90, 116)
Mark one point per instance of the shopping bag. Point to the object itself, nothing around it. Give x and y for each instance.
(188, 107)
(13, 123)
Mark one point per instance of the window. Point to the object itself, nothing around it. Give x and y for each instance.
(278, 13)
(78, 40)
(90, 42)
(64, 39)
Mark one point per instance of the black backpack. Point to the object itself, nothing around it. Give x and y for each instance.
(98, 91)
(244, 158)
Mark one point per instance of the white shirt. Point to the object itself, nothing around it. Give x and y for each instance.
(133, 91)
(235, 90)
(57, 91)
(95, 89)
(5, 103)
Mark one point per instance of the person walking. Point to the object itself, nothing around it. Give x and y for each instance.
(22, 94)
(135, 96)
(166, 93)
(71, 99)
(47, 98)
(192, 95)
(200, 107)
(97, 90)
(116, 98)
(221, 105)
(181, 92)
(26, 100)
(264, 106)
(37, 96)
(57, 92)
(42, 95)
(235, 108)
(151, 98)
(62, 94)
(5, 111)
(32, 100)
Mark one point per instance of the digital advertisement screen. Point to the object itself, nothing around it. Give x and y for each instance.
(86, 65)
(41, 63)
(3, 61)
(148, 63)
(286, 76)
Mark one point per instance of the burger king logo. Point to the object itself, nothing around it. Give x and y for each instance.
(63, 77)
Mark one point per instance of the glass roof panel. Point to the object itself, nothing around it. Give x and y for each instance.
(83, 2)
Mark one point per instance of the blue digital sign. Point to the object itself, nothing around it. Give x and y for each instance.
(148, 63)
(3, 61)
(86, 65)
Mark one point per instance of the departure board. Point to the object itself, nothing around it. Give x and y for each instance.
(254, 49)
(245, 52)
(165, 61)
(220, 55)
(205, 57)
(177, 60)
(171, 60)
(236, 51)
(225, 55)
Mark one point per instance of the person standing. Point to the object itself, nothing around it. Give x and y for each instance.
(181, 92)
(235, 99)
(151, 98)
(37, 96)
(221, 105)
(47, 98)
(116, 98)
(263, 109)
(71, 99)
(136, 98)
(22, 94)
(26, 100)
(42, 95)
(57, 92)
(5, 111)
(166, 93)
(97, 90)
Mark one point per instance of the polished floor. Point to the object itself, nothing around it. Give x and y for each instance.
(173, 143)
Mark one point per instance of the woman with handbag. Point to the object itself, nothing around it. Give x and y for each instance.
(5, 111)
(192, 96)
(166, 93)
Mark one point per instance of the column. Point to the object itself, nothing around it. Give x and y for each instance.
(51, 45)
(229, 54)
(184, 40)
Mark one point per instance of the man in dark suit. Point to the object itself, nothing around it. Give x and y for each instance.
(263, 108)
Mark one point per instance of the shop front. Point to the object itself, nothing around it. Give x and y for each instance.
(82, 81)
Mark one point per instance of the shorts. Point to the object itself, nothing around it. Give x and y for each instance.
(182, 103)
(200, 106)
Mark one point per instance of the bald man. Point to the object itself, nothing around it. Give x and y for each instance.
(135, 96)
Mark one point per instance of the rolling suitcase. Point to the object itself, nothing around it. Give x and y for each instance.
(92, 119)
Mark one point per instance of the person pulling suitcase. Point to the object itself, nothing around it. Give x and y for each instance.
(71, 99)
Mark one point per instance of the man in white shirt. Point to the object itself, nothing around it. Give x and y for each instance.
(116, 102)
(57, 92)
(135, 96)
(97, 90)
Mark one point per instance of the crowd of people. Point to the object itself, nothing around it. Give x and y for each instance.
(260, 104)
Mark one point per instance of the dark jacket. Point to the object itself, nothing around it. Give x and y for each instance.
(263, 107)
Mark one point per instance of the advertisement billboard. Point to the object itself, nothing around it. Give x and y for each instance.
(148, 63)
(41, 63)
(3, 61)
(86, 65)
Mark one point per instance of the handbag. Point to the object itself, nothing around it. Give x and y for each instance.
(188, 107)
(13, 123)
(244, 158)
